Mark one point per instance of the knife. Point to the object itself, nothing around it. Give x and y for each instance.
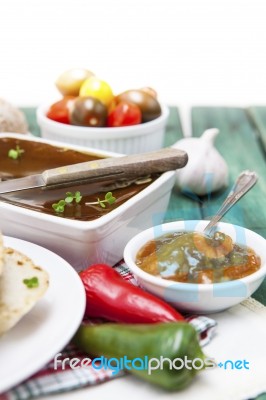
(114, 167)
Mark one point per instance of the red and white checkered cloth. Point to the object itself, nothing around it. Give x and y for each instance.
(49, 381)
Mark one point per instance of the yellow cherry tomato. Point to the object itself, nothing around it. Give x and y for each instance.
(98, 89)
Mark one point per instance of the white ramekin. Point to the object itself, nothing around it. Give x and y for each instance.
(133, 139)
(193, 297)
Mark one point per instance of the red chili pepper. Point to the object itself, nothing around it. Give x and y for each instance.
(109, 296)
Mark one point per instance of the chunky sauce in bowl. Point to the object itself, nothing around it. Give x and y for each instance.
(35, 157)
(192, 257)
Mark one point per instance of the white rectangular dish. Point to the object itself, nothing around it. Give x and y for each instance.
(82, 243)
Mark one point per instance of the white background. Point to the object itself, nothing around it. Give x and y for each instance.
(192, 51)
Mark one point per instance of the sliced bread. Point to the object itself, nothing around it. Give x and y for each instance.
(1, 254)
(22, 284)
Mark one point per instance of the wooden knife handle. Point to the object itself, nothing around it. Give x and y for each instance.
(121, 167)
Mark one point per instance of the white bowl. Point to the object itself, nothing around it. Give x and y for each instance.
(82, 243)
(199, 298)
(139, 138)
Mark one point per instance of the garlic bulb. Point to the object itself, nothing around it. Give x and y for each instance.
(11, 118)
(206, 170)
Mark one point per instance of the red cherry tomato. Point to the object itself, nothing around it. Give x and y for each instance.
(59, 111)
(124, 114)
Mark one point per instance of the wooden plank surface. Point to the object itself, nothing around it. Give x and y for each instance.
(258, 118)
(30, 114)
(239, 145)
(180, 207)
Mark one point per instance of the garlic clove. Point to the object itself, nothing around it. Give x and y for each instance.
(210, 135)
(206, 170)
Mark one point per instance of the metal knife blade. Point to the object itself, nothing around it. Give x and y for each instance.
(29, 182)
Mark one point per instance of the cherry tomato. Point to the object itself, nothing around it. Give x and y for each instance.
(70, 81)
(149, 106)
(150, 91)
(88, 111)
(59, 111)
(98, 89)
(112, 105)
(124, 114)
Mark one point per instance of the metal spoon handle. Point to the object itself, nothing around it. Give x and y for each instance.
(245, 181)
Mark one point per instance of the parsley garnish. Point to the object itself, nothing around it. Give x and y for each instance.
(109, 198)
(15, 153)
(70, 198)
(32, 282)
(76, 197)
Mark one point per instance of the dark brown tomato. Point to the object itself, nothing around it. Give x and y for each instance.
(149, 106)
(150, 91)
(88, 111)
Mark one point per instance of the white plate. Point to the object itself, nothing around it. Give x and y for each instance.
(50, 324)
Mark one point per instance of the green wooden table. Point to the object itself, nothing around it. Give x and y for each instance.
(242, 142)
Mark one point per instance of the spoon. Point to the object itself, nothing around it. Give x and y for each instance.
(245, 181)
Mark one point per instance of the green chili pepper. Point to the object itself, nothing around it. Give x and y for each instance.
(171, 340)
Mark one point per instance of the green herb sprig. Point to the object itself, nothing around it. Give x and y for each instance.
(32, 282)
(76, 197)
(109, 198)
(60, 206)
(15, 153)
(70, 198)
